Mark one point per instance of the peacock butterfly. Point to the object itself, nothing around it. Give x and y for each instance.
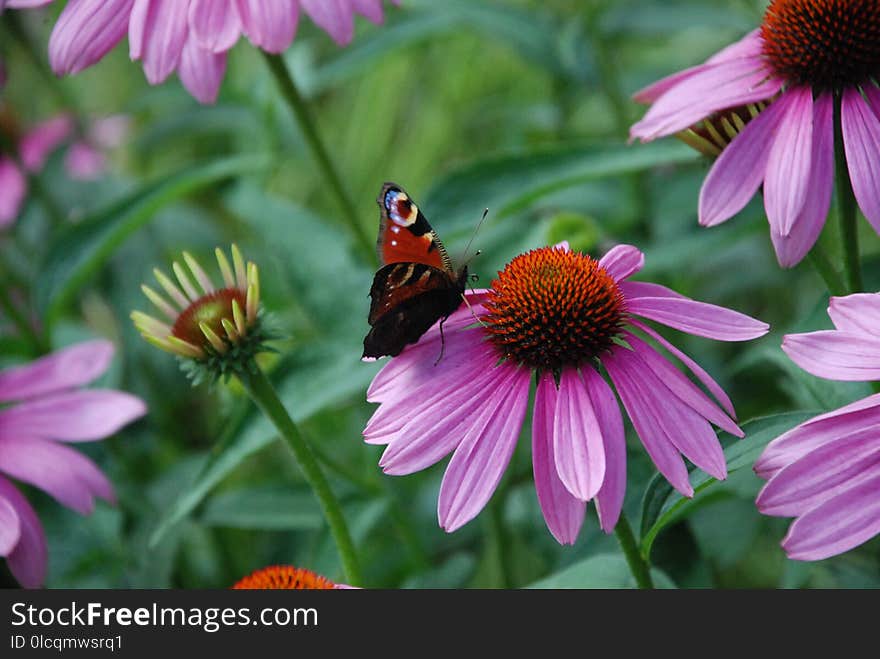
(416, 285)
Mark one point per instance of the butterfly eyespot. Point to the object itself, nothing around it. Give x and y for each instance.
(400, 208)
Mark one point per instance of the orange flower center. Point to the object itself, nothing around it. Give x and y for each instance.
(210, 309)
(550, 308)
(284, 577)
(827, 44)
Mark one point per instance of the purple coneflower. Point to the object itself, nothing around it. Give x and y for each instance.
(45, 409)
(286, 577)
(826, 471)
(565, 317)
(191, 37)
(807, 56)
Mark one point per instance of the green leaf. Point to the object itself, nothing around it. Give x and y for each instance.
(663, 506)
(274, 508)
(507, 183)
(602, 571)
(80, 250)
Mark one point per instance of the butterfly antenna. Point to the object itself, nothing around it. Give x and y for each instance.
(473, 313)
(474, 235)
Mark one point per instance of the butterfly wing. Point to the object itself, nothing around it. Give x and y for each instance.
(405, 236)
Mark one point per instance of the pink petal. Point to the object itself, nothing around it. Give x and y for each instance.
(861, 139)
(67, 475)
(85, 31)
(634, 289)
(739, 170)
(157, 32)
(335, 17)
(857, 313)
(28, 560)
(40, 141)
(13, 187)
(822, 474)
(577, 438)
(698, 318)
(645, 419)
(73, 416)
(788, 166)
(563, 513)
(83, 162)
(26, 4)
(715, 87)
(201, 71)
(479, 461)
(63, 369)
(371, 9)
(837, 525)
(807, 225)
(835, 355)
(686, 391)
(269, 24)
(700, 373)
(609, 498)
(214, 24)
(818, 431)
(621, 261)
(10, 527)
(429, 436)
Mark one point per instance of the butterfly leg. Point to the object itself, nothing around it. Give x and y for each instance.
(442, 341)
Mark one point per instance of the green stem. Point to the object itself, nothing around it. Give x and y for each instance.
(20, 321)
(309, 129)
(263, 394)
(638, 565)
(496, 542)
(819, 259)
(846, 208)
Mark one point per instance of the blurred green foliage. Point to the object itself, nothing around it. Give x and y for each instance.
(518, 106)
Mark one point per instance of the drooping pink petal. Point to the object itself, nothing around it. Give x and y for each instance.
(201, 71)
(856, 313)
(85, 31)
(835, 355)
(634, 289)
(837, 525)
(686, 391)
(698, 318)
(563, 513)
(713, 88)
(818, 431)
(28, 560)
(609, 498)
(698, 371)
(84, 162)
(789, 163)
(621, 261)
(13, 187)
(39, 142)
(822, 474)
(72, 416)
(578, 447)
(739, 171)
(861, 140)
(214, 24)
(428, 437)
(26, 4)
(479, 461)
(10, 527)
(63, 369)
(335, 17)
(645, 420)
(157, 32)
(371, 9)
(65, 474)
(269, 24)
(807, 225)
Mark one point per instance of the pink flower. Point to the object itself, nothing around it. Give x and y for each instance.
(563, 316)
(45, 408)
(806, 53)
(826, 471)
(192, 37)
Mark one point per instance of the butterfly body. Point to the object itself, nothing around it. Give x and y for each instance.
(416, 285)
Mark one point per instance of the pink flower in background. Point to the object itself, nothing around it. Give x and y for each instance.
(560, 315)
(826, 471)
(191, 37)
(806, 53)
(45, 408)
